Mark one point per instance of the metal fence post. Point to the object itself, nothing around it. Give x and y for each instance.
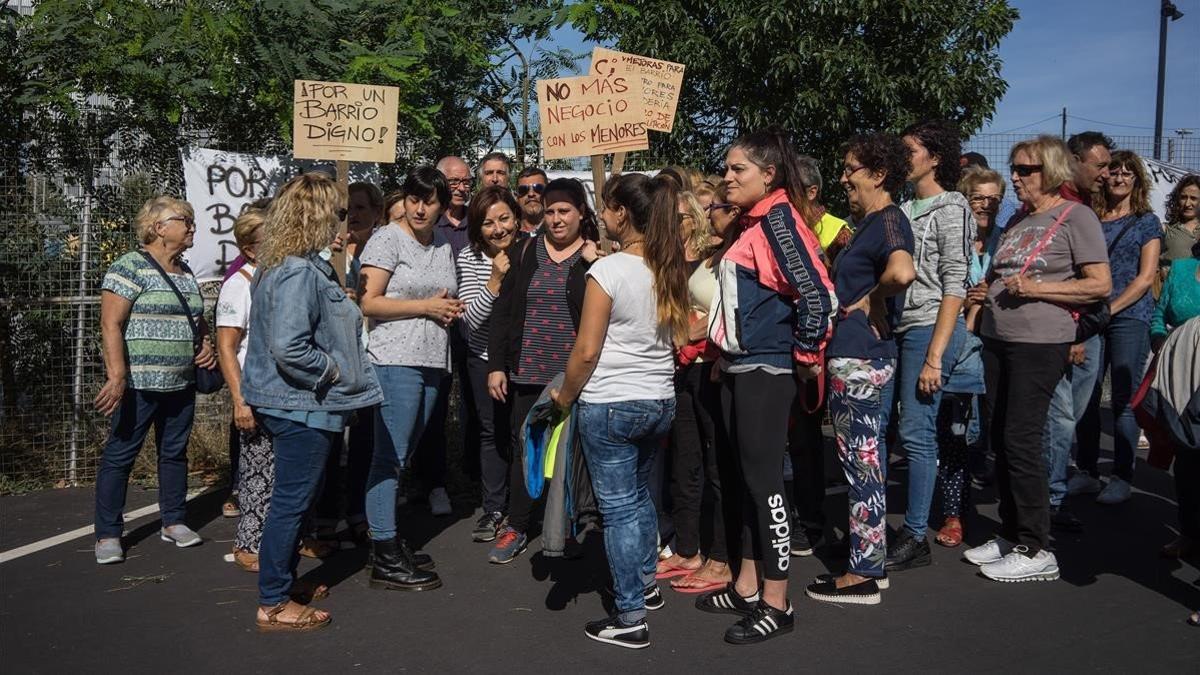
(77, 395)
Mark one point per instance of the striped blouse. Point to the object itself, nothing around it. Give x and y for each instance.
(474, 270)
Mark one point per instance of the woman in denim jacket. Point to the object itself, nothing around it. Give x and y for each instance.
(305, 372)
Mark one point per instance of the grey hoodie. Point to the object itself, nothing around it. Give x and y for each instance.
(942, 235)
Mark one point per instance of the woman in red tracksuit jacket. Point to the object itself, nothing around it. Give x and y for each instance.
(771, 318)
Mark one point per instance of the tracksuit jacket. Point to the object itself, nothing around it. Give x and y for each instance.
(775, 303)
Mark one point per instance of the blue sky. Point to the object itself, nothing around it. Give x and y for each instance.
(1098, 58)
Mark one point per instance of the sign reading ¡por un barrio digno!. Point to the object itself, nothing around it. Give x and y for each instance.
(657, 82)
(344, 121)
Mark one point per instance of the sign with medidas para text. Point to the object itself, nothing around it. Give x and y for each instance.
(340, 120)
(657, 82)
(590, 115)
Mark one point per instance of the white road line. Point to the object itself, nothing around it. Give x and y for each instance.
(57, 539)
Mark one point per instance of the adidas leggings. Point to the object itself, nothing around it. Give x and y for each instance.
(755, 406)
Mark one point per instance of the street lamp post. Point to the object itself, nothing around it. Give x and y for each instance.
(1169, 11)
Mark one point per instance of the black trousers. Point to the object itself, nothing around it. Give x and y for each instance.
(806, 447)
(430, 455)
(520, 504)
(755, 406)
(351, 482)
(701, 463)
(492, 422)
(1187, 492)
(1021, 378)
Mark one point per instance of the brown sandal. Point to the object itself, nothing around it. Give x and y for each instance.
(306, 621)
(304, 592)
(245, 560)
(315, 548)
(951, 534)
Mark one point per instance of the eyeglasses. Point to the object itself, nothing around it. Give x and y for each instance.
(187, 222)
(978, 200)
(848, 170)
(1125, 173)
(717, 206)
(1026, 169)
(523, 190)
(458, 181)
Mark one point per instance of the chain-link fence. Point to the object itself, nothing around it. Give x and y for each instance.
(59, 238)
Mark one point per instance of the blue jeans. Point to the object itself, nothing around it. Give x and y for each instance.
(1124, 345)
(1066, 411)
(917, 418)
(409, 396)
(300, 454)
(619, 443)
(171, 414)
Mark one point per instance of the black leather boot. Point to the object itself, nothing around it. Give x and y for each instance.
(423, 560)
(395, 569)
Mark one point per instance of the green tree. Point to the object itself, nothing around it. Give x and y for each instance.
(823, 69)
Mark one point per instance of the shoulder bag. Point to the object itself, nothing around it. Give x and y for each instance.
(208, 380)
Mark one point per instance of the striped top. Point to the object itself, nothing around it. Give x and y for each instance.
(158, 338)
(474, 270)
(549, 331)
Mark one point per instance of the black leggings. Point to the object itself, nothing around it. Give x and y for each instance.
(520, 504)
(756, 405)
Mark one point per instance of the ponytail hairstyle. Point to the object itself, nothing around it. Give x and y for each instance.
(652, 205)
(771, 147)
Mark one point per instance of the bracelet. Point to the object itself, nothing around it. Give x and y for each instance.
(930, 365)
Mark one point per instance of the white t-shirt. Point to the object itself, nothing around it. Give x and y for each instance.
(233, 306)
(637, 362)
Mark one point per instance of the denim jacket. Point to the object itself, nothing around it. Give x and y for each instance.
(304, 348)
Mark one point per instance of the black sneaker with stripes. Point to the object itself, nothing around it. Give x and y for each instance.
(726, 601)
(764, 623)
(614, 632)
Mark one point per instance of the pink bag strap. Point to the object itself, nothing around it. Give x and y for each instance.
(1047, 238)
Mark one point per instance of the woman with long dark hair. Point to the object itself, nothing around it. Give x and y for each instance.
(772, 321)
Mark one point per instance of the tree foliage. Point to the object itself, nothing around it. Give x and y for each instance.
(822, 69)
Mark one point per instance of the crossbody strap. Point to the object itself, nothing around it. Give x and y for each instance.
(1113, 246)
(187, 309)
(1047, 237)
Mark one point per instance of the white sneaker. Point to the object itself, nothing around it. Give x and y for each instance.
(1083, 483)
(1115, 492)
(1018, 566)
(990, 552)
(1143, 442)
(439, 502)
(180, 535)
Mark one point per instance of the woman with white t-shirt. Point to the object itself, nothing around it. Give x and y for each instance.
(256, 464)
(621, 370)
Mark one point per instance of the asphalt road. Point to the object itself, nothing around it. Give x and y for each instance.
(1117, 608)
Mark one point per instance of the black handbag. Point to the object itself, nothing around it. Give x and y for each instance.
(1093, 318)
(208, 380)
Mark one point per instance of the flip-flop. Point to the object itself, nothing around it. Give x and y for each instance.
(700, 589)
(672, 572)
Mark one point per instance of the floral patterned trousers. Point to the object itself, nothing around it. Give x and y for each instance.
(854, 405)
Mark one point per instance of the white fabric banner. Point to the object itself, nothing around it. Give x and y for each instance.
(1163, 178)
(219, 185)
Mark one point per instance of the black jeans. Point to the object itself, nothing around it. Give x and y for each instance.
(520, 504)
(1021, 378)
(701, 462)
(492, 421)
(755, 405)
(352, 481)
(430, 456)
(1187, 492)
(806, 449)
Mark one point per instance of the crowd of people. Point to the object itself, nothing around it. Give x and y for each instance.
(660, 371)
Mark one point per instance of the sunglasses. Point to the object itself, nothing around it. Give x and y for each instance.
(187, 222)
(1026, 169)
(523, 190)
(717, 206)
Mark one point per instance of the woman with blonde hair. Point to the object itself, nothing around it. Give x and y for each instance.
(1134, 238)
(305, 372)
(154, 337)
(1047, 263)
(621, 370)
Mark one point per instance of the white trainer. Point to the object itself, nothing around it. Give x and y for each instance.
(1083, 483)
(1117, 491)
(180, 535)
(990, 552)
(1018, 565)
(439, 502)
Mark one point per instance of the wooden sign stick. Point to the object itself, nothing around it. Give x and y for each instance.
(598, 189)
(618, 163)
(338, 260)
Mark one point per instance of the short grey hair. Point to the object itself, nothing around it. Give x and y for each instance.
(810, 172)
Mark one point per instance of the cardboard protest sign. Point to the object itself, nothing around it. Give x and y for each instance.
(343, 121)
(581, 116)
(657, 82)
(219, 185)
